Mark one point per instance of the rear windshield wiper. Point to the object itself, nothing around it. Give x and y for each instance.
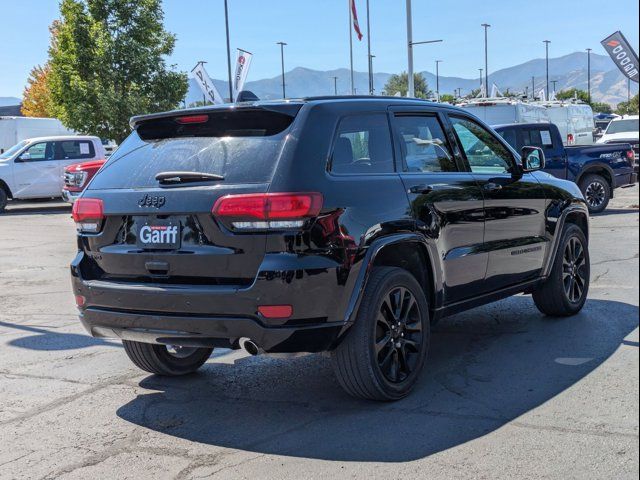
(184, 177)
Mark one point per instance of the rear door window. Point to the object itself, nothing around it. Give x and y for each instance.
(423, 144)
(242, 145)
(537, 137)
(363, 145)
(74, 149)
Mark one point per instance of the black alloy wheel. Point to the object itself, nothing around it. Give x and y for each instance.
(398, 335)
(574, 270)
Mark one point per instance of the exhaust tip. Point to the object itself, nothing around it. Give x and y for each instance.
(249, 346)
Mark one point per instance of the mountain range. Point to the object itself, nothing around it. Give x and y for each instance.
(570, 71)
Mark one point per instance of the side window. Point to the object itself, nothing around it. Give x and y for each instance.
(510, 137)
(363, 145)
(537, 137)
(484, 152)
(74, 149)
(40, 152)
(424, 145)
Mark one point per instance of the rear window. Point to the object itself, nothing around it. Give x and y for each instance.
(243, 146)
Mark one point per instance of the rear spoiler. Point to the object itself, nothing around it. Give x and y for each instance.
(286, 108)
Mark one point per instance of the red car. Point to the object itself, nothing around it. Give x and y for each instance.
(77, 176)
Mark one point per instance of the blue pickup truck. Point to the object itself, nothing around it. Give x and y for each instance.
(597, 169)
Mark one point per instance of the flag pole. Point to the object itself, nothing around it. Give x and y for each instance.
(370, 62)
(351, 44)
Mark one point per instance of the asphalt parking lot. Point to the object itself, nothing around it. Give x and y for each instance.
(508, 393)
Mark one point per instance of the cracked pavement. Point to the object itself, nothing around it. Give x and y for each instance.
(507, 393)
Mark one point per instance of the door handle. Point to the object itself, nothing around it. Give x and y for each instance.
(492, 187)
(421, 189)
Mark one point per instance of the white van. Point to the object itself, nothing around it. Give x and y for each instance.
(16, 129)
(501, 111)
(34, 168)
(574, 120)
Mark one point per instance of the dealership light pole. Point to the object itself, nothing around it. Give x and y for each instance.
(335, 85)
(438, 62)
(533, 88)
(554, 85)
(589, 74)
(486, 59)
(282, 44)
(480, 70)
(369, 57)
(226, 23)
(546, 45)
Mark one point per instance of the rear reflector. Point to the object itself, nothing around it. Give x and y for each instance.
(88, 214)
(80, 301)
(189, 119)
(284, 207)
(275, 311)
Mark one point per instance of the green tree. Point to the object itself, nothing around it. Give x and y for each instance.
(628, 108)
(399, 83)
(601, 107)
(447, 98)
(108, 63)
(573, 93)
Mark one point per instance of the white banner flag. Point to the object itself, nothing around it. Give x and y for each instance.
(243, 63)
(542, 95)
(207, 86)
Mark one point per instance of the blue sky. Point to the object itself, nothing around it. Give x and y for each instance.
(317, 35)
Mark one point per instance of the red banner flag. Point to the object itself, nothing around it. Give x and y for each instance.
(354, 15)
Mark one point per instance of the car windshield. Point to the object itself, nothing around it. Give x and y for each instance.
(13, 150)
(621, 126)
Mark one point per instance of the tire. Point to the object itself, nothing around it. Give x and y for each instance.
(596, 191)
(160, 360)
(3, 199)
(552, 297)
(355, 362)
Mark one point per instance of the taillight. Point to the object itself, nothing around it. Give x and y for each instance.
(631, 156)
(570, 139)
(88, 213)
(268, 210)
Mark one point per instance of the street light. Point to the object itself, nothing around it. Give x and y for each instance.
(546, 44)
(486, 59)
(335, 85)
(438, 62)
(410, 43)
(226, 23)
(554, 85)
(282, 44)
(589, 74)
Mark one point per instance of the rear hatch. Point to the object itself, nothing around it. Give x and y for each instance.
(157, 192)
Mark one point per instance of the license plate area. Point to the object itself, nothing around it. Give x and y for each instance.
(156, 234)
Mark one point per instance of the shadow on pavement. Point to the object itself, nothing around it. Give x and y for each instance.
(51, 340)
(486, 368)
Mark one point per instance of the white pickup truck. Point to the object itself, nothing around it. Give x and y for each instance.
(34, 168)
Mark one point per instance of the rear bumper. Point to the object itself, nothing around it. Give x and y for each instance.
(208, 331)
(219, 315)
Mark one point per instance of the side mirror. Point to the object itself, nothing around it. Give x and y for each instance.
(24, 157)
(532, 159)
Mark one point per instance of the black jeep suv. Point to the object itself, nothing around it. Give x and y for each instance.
(341, 224)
